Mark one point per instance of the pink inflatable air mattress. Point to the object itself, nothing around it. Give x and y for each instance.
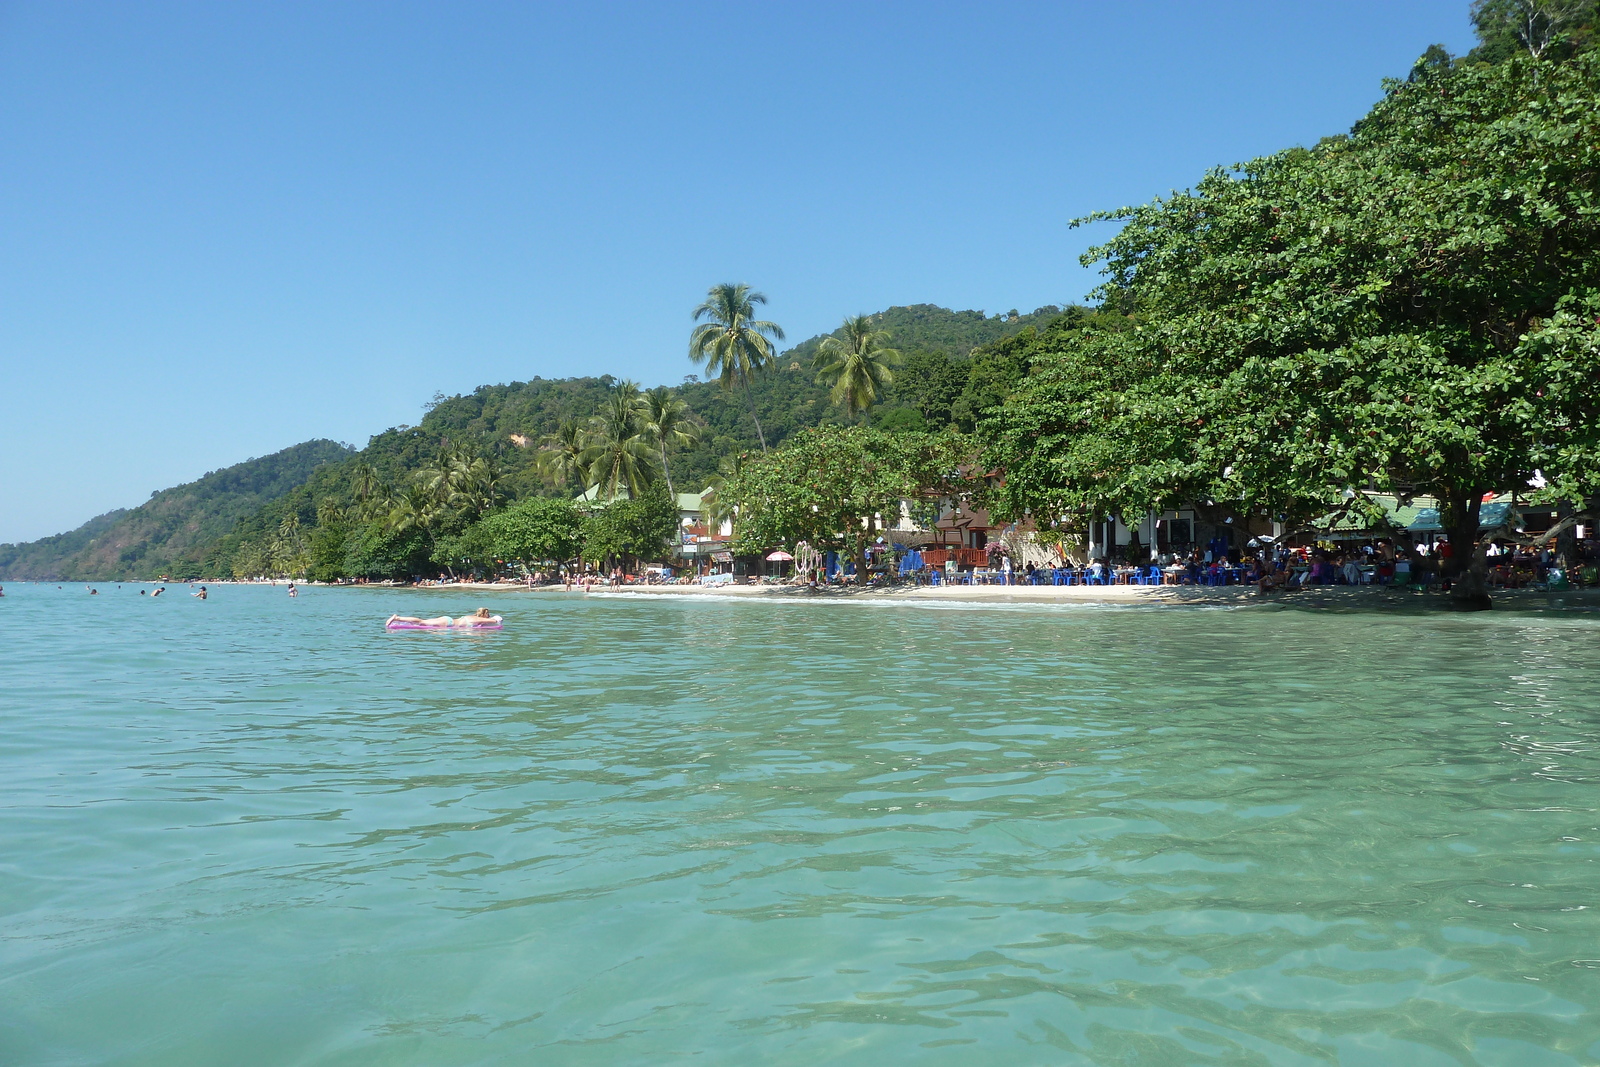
(492, 623)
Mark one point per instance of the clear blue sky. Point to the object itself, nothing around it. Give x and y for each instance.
(231, 227)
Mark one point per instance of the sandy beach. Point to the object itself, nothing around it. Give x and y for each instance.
(1333, 595)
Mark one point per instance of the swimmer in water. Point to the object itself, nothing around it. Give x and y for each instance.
(141, 592)
(94, 592)
(159, 590)
(201, 594)
(292, 590)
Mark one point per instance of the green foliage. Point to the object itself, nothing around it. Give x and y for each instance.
(637, 528)
(665, 419)
(532, 531)
(329, 544)
(1537, 29)
(618, 453)
(172, 532)
(376, 551)
(837, 487)
(1412, 308)
(734, 345)
(901, 419)
(929, 328)
(856, 364)
(219, 528)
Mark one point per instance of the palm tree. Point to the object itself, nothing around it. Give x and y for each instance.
(414, 509)
(561, 453)
(619, 455)
(289, 533)
(372, 495)
(440, 481)
(732, 343)
(857, 366)
(665, 419)
(478, 486)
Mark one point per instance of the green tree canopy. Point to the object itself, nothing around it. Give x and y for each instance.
(1411, 308)
(837, 487)
(637, 528)
(533, 531)
(619, 455)
(734, 345)
(856, 364)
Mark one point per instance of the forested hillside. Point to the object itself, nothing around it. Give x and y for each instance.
(223, 522)
(172, 531)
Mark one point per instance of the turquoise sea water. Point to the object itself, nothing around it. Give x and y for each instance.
(636, 830)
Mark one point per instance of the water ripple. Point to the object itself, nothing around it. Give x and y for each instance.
(630, 830)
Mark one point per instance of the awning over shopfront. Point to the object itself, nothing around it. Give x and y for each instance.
(1420, 516)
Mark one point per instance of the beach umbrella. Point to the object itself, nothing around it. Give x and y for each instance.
(779, 554)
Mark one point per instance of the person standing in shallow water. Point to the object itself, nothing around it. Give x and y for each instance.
(201, 594)
(292, 590)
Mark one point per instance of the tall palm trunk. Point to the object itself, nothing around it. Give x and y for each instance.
(666, 472)
(752, 400)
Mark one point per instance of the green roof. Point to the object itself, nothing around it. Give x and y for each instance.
(1421, 515)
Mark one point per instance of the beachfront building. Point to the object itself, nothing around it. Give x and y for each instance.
(700, 546)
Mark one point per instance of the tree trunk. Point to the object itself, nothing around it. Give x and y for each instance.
(750, 398)
(666, 469)
(1468, 570)
(1567, 544)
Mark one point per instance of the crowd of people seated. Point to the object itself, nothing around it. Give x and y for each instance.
(1269, 567)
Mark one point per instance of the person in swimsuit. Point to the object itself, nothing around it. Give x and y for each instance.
(292, 590)
(442, 620)
(477, 618)
(201, 594)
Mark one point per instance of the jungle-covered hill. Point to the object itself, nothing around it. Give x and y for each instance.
(172, 530)
(195, 530)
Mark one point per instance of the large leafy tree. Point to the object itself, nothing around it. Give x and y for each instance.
(1538, 28)
(533, 531)
(733, 344)
(637, 528)
(837, 487)
(1413, 308)
(856, 364)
